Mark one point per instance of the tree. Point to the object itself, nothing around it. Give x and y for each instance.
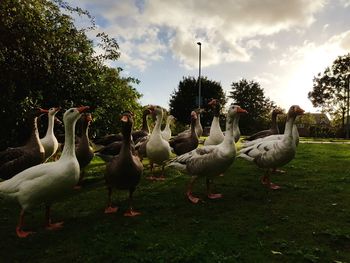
(46, 61)
(330, 88)
(250, 96)
(185, 99)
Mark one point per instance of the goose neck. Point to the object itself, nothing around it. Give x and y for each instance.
(34, 137)
(69, 140)
(158, 123)
(50, 125)
(289, 126)
(145, 126)
(274, 120)
(229, 139)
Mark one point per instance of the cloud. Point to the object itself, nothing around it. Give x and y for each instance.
(226, 24)
(298, 65)
(345, 3)
(147, 30)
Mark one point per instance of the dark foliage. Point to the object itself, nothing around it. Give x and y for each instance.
(185, 99)
(331, 89)
(46, 61)
(250, 96)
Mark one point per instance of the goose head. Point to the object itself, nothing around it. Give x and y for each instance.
(147, 111)
(294, 111)
(234, 111)
(171, 119)
(194, 115)
(157, 112)
(127, 123)
(277, 111)
(73, 114)
(52, 111)
(215, 105)
(87, 117)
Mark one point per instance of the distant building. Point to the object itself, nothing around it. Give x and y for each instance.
(313, 125)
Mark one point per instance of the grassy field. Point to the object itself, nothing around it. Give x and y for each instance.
(308, 220)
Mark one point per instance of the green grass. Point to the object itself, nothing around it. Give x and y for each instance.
(308, 220)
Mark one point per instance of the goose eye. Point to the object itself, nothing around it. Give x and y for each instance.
(71, 110)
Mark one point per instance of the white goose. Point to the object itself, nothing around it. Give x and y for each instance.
(274, 137)
(44, 183)
(49, 141)
(216, 135)
(271, 154)
(166, 133)
(209, 161)
(157, 149)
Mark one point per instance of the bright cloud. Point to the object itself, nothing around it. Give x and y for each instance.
(302, 63)
(224, 27)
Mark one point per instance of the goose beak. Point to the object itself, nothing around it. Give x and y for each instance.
(193, 115)
(83, 108)
(124, 118)
(212, 102)
(300, 111)
(43, 110)
(240, 110)
(57, 121)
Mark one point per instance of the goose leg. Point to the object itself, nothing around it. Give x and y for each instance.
(152, 177)
(81, 176)
(265, 180)
(19, 231)
(210, 194)
(131, 212)
(190, 197)
(162, 177)
(110, 209)
(48, 224)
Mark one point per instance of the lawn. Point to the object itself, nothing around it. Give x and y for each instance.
(308, 220)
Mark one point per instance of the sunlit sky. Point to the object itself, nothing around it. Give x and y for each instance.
(280, 44)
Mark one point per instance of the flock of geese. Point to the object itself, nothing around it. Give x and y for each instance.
(30, 179)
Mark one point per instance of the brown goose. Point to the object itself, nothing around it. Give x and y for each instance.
(15, 160)
(136, 135)
(125, 170)
(198, 126)
(83, 150)
(273, 130)
(188, 141)
(107, 153)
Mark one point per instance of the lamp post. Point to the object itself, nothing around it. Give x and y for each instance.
(199, 74)
(347, 102)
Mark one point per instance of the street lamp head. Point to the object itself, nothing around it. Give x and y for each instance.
(199, 43)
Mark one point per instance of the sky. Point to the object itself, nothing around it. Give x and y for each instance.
(280, 44)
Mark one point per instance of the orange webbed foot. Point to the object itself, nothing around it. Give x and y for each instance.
(23, 234)
(274, 186)
(214, 196)
(131, 213)
(111, 210)
(54, 226)
(192, 198)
